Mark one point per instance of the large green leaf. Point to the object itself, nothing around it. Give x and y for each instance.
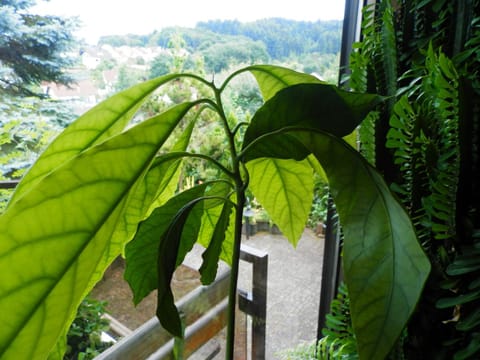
(183, 229)
(272, 79)
(285, 190)
(167, 312)
(98, 124)
(154, 189)
(315, 106)
(385, 267)
(56, 239)
(142, 252)
(163, 240)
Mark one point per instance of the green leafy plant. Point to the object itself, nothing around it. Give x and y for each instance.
(423, 56)
(106, 186)
(84, 335)
(27, 126)
(318, 212)
(338, 341)
(339, 338)
(305, 351)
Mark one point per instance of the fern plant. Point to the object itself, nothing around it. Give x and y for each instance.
(424, 137)
(425, 141)
(338, 341)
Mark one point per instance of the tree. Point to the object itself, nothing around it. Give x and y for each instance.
(127, 76)
(233, 51)
(32, 47)
(161, 65)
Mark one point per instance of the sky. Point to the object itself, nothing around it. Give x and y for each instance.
(118, 17)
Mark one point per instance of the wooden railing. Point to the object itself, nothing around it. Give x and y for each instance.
(8, 184)
(254, 302)
(204, 313)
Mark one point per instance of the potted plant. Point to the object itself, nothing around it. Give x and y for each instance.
(107, 186)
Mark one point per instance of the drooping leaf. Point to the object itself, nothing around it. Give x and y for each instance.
(216, 194)
(228, 243)
(285, 190)
(210, 219)
(98, 124)
(315, 106)
(63, 224)
(385, 267)
(142, 252)
(163, 240)
(272, 79)
(158, 184)
(211, 255)
(351, 139)
(211, 216)
(167, 312)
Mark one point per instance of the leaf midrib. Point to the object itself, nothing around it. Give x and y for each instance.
(71, 263)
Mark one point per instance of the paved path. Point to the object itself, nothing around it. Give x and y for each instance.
(293, 289)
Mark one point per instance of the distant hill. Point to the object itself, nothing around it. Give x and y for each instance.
(280, 37)
(284, 37)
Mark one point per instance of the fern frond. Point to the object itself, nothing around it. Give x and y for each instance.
(339, 339)
(360, 64)
(389, 49)
(400, 138)
(366, 134)
(441, 89)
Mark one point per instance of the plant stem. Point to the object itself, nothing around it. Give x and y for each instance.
(240, 186)
(232, 294)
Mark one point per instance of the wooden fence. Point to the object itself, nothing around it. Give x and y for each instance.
(204, 312)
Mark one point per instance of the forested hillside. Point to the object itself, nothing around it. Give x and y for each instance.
(284, 37)
(280, 37)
